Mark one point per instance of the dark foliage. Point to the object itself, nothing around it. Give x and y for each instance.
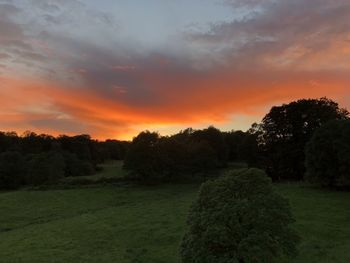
(75, 166)
(143, 156)
(328, 155)
(243, 147)
(214, 139)
(277, 145)
(33, 159)
(286, 129)
(238, 218)
(152, 158)
(44, 168)
(12, 170)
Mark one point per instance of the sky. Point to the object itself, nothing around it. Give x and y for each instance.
(112, 68)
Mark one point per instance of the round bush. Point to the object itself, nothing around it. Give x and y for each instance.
(328, 155)
(238, 218)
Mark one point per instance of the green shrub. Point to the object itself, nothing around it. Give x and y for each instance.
(328, 155)
(238, 218)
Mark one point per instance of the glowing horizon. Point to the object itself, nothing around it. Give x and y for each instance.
(114, 68)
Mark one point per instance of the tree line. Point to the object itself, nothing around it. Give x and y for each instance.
(294, 141)
(152, 157)
(282, 145)
(32, 159)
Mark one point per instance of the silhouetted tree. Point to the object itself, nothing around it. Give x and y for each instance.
(45, 168)
(243, 147)
(81, 145)
(234, 141)
(151, 157)
(30, 143)
(12, 170)
(80, 154)
(286, 129)
(142, 158)
(117, 149)
(215, 139)
(203, 157)
(174, 158)
(239, 218)
(328, 155)
(9, 141)
(76, 167)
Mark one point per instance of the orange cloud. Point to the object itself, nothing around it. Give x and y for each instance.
(186, 101)
(226, 74)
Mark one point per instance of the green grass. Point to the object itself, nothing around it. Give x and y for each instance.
(146, 224)
(129, 224)
(111, 169)
(323, 222)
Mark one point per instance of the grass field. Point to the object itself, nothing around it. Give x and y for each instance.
(146, 224)
(112, 169)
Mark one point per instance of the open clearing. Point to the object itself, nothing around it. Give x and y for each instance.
(146, 224)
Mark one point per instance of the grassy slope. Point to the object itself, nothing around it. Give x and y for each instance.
(145, 224)
(112, 169)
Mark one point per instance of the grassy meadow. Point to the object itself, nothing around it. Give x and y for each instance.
(146, 223)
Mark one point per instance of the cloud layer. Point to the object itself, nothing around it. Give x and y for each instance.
(68, 67)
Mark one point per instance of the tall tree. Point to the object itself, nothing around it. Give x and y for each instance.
(142, 158)
(328, 155)
(286, 129)
(12, 170)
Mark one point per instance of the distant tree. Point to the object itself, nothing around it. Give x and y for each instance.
(243, 147)
(81, 145)
(76, 167)
(216, 140)
(116, 149)
(250, 151)
(30, 143)
(328, 155)
(80, 153)
(12, 170)
(286, 129)
(45, 168)
(142, 158)
(173, 157)
(239, 218)
(203, 157)
(9, 141)
(234, 140)
(152, 157)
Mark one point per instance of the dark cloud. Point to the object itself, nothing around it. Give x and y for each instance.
(70, 13)
(47, 6)
(7, 9)
(63, 125)
(4, 56)
(276, 50)
(9, 31)
(308, 27)
(247, 3)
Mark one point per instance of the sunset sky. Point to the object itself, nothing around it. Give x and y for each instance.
(112, 68)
